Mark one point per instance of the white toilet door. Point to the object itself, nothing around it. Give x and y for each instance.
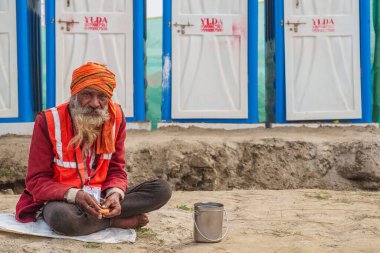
(209, 59)
(99, 31)
(8, 60)
(322, 59)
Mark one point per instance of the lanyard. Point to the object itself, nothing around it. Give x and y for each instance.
(89, 154)
(81, 168)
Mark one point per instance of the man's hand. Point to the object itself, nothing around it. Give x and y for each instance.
(88, 204)
(113, 204)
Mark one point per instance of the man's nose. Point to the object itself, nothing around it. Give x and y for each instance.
(95, 102)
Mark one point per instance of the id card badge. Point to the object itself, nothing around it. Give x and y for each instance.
(94, 191)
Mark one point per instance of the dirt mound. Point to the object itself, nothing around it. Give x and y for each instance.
(268, 163)
(202, 159)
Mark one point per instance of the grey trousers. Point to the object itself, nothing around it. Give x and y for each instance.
(69, 219)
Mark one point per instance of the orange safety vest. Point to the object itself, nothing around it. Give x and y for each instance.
(68, 163)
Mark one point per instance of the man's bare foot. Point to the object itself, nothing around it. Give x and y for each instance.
(137, 221)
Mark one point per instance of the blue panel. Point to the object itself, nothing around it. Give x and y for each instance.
(280, 97)
(50, 53)
(253, 113)
(253, 36)
(139, 30)
(27, 106)
(365, 56)
(167, 61)
(25, 101)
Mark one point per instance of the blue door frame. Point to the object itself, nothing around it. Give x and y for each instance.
(28, 61)
(139, 37)
(253, 113)
(275, 33)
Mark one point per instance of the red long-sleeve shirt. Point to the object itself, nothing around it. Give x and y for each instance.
(39, 179)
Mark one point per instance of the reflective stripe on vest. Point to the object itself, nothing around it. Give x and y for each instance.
(57, 127)
(72, 165)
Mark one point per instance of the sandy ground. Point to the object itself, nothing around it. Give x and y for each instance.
(259, 221)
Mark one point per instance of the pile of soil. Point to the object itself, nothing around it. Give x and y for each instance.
(334, 158)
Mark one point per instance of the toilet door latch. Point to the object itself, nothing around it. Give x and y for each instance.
(295, 25)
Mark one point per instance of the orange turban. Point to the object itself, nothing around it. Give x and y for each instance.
(101, 79)
(93, 74)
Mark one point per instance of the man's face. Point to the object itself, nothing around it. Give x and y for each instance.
(89, 110)
(92, 99)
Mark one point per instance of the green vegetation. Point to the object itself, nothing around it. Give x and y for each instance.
(92, 245)
(344, 200)
(6, 172)
(185, 208)
(147, 233)
(319, 195)
(150, 235)
(367, 194)
(144, 230)
(366, 216)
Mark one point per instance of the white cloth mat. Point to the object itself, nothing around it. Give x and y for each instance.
(8, 223)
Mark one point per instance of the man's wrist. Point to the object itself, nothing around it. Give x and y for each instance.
(113, 190)
(71, 194)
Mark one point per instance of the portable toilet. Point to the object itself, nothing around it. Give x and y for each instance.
(318, 61)
(20, 68)
(210, 55)
(109, 32)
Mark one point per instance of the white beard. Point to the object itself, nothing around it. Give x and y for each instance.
(87, 125)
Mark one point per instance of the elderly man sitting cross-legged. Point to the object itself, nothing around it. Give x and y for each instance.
(76, 180)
